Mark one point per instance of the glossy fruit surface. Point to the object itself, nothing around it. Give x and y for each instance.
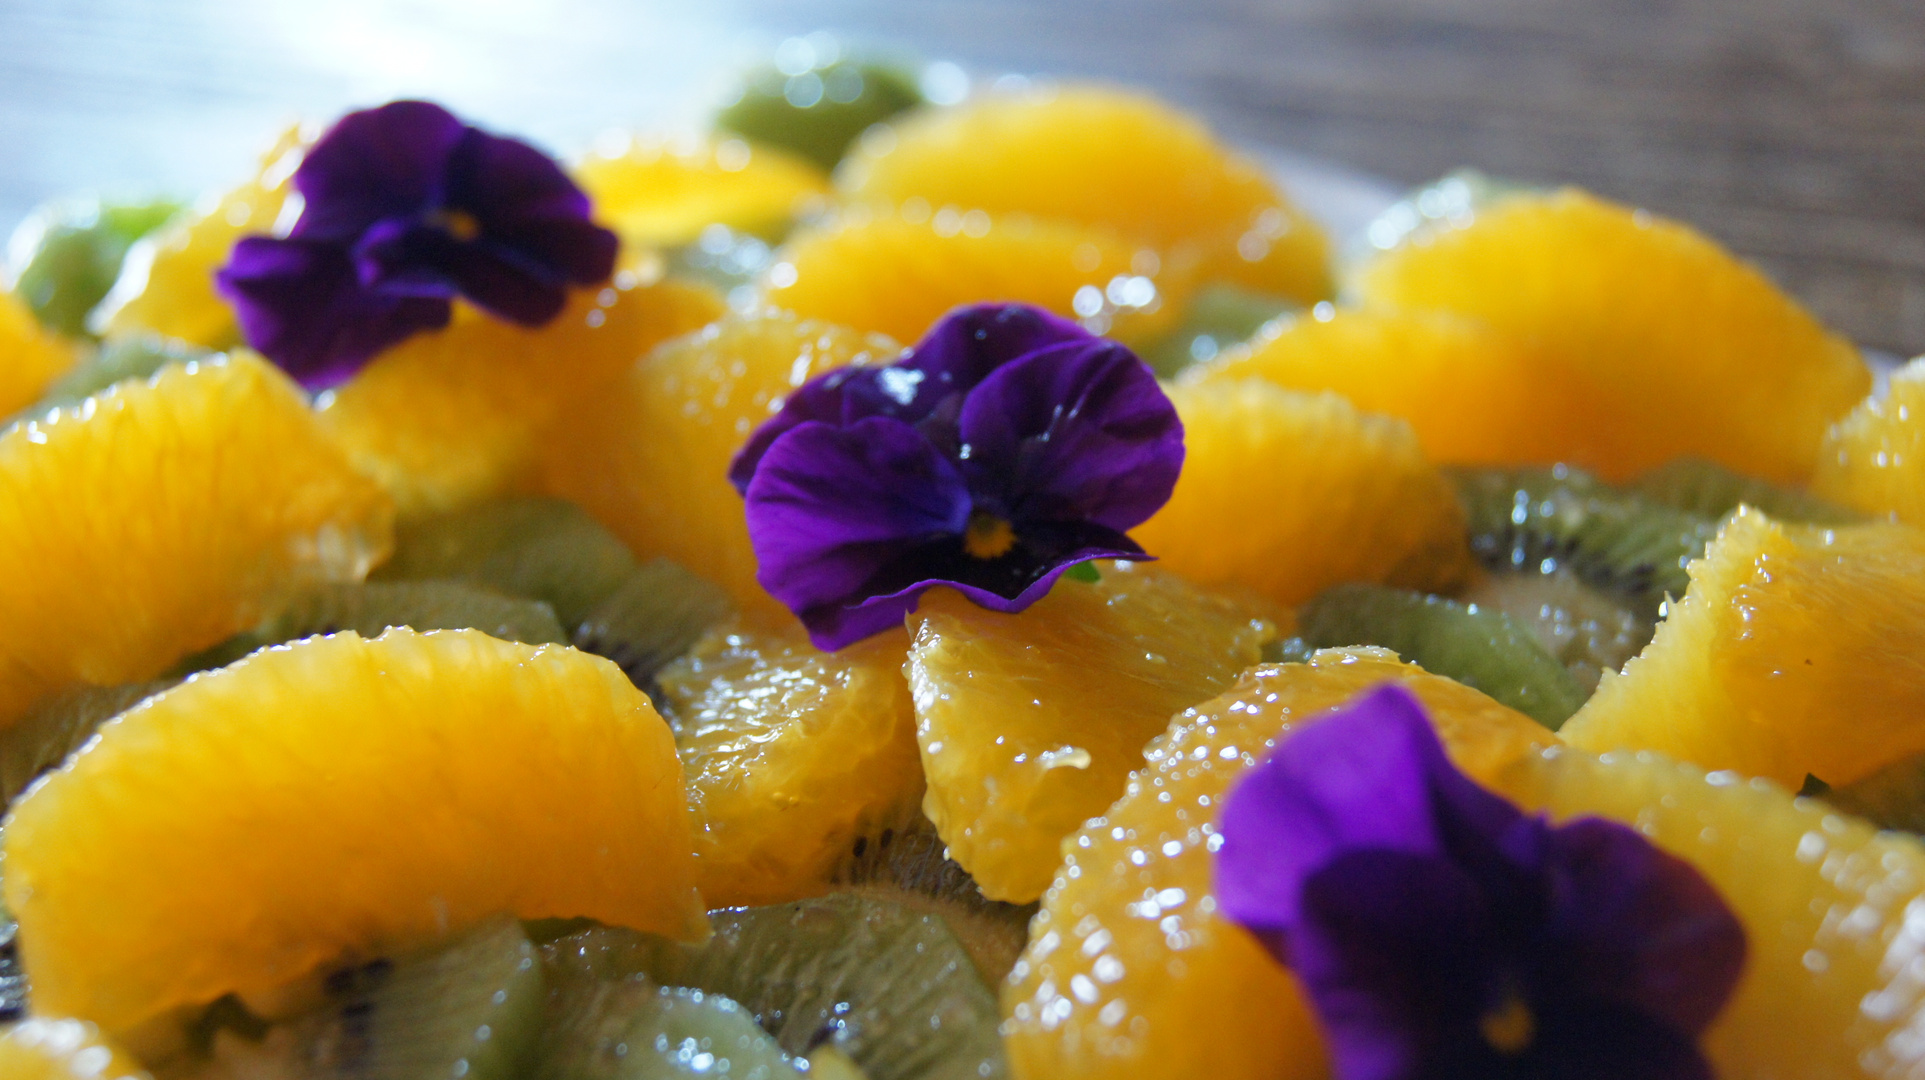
(658, 194)
(1029, 723)
(1797, 649)
(343, 796)
(1287, 493)
(30, 358)
(160, 517)
(1685, 349)
(1129, 971)
(1874, 459)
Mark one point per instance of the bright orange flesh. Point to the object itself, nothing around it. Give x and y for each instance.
(1874, 459)
(1029, 723)
(659, 194)
(1796, 650)
(460, 414)
(1101, 156)
(1288, 493)
(1683, 350)
(30, 358)
(791, 753)
(342, 797)
(160, 517)
(650, 456)
(1130, 972)
(895, 275)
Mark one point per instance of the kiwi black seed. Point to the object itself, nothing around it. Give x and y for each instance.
(1710, 490)
(57, 726)
(1480, 648)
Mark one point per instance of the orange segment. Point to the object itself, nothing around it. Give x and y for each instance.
(791, 753)
(1874, 459)
(167, 283)
(457, 415)
(1029, 723)
(1289, 493)
(1129, 970)
(1678, 348)
(660, 194)
(1472, 395)
(1101, 156)
(1796, 650)
(649, 456)
(343, 797)
(894, 274)
(160, 517)
(30, 358)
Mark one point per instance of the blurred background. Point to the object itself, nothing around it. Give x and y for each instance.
(1792, 130)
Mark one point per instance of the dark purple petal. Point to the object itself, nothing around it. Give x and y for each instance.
(301, 305)
(1074, 432)
(523, 202)
(373, 164)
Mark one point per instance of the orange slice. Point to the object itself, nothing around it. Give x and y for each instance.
(1874, 459)
(30, 358)
(658, 194)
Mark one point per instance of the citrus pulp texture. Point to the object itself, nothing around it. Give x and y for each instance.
(896, 273)
(1288, 493)
(41, 1048)
(457, 415)
(167, 282)
(1797, 649)
(1874, 459)
(343, 797)
(158, 518)
(1473, 396)
(791, 754)
(1102, 156)
(1678, 348)
(30, 358)
(649, 457)
(658, 194)
(1029, 723)
(1130, 972)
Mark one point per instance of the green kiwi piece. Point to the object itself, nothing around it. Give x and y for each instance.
(1710, 490)
(655, 615)
(59, 725)
(1480, 648)
(910, 865)
(728, 259)
(612, 1026)
(469, 1009)
(76, 252)
(14, 987)
(1218, 317)
(816, 113)
(888, 986)
(1589, 631)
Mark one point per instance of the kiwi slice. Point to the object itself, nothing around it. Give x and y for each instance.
(655, 615)
(57, 726)
(470, 1009)
(1710, 490)
(1218, 317)
(610, 1026)
(815, 106)
(1481, 648)
(75, 249)
(889, 987)
(1587, 630)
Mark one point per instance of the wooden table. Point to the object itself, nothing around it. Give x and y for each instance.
(1793, 130)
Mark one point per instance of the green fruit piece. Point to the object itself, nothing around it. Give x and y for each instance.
(1541, 520)
(911, 866)
(888, 986)
(76, 249)
(1891, 798)
(1701, 487)
(1588, 630)
(54, 728)
(723, 258)
(1487, 650)
(602, 1027)
(1219, 316)
(136, 356)
(546, 549)
(14, 987)
(816, 113)
(656, 614)
(468, 1009)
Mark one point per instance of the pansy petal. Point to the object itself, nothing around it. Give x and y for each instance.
(830, 506)
(373, 164)
(574, 250)
(301, 304)
(1074, 432)
(1595, 1040)
(1367, 776)
(967, 344)
(503, 181)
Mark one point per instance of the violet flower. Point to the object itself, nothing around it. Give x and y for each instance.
(405, 208)
(1008, 446)
(1443, 934)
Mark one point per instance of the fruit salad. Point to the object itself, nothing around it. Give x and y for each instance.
(970, 583)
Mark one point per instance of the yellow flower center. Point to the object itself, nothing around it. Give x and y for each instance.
(1510, 1027)
(459, 223)
(988, 536)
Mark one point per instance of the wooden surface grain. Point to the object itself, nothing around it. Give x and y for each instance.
(1792, 130)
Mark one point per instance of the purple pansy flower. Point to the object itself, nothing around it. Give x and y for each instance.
(1008, 446)
(1443, 934)
(405, 208)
